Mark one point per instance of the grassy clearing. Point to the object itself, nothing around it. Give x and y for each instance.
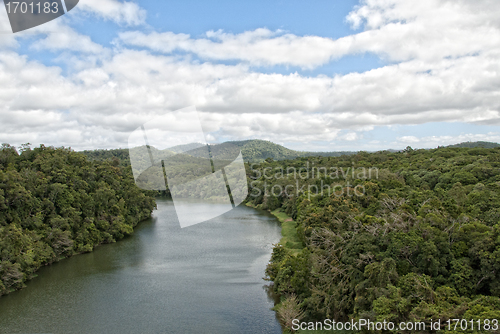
(290, 238)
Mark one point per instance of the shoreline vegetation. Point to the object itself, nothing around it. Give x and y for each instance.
(290, 238)
(421, 243)
(55, 203)
(292, 244)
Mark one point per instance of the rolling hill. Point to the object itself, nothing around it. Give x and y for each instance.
(475, 144)
(252, 150)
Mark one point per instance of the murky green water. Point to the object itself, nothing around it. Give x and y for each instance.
(205, 278)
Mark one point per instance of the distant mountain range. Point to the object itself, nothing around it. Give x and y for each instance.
(475, 144)
(258, 150)
(254, 150)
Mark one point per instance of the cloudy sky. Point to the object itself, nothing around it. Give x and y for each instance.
(311, 75)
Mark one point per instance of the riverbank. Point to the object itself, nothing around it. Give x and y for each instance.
(54, 204)
(290, 239)
(292, 244)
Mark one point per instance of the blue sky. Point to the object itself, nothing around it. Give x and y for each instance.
(322, 18)
(311, 75)
(317, 18)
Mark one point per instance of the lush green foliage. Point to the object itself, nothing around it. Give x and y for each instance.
(421, 243)
(120, 154)
(55, 203)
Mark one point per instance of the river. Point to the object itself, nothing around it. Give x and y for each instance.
(205, 278)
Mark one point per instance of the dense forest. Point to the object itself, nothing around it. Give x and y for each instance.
(55, 203)
(417, 239)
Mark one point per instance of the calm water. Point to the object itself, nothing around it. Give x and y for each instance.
(205, 278)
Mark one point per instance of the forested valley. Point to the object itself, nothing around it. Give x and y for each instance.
(55, 203)
(422, 242)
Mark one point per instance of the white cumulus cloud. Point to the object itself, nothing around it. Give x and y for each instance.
(121, 12)
(442, 64)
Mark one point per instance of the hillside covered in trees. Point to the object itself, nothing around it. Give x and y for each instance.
(252, 150)
(475, 144)
(259, 150)
(415, 240)
(55, 203)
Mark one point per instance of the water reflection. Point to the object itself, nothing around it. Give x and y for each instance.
(205, 278)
